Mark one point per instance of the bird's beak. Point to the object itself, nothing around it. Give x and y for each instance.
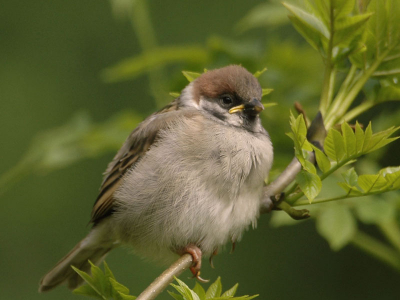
(252, 107)
(236, 109)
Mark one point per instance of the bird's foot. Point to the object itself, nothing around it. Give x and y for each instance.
(196, 254)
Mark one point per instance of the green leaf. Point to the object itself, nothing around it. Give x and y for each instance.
(349, 139)
(372, 183)
(231, 292)
(266, 105)
(337, 225)
(191, 76)
(176, 296)
(266, 92)
(392, 176)
(186, 292)
(89, 280)
(100, 280)
(174, 94)
(259, 73)
(334, 146)
(215, 289)
(359, 133)
(263, 15)
(310, 184)
(380, 139)
(309, 26)
(87, 290)
(350, 177)
(322, 160)
(342, 7)
(349, 28)
(118, 286)
(107, 270)
(198, 289)
(132, 67)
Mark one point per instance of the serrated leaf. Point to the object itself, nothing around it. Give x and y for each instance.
(191, 76)
(380, 139)
(372, 183)
(215, 289)
(310, 184)
(350, 190)
(392, 176)
(309, 26)
(348, 28)
(349, 139)
(259, 73)
(334, 146)
(322, 160)
(342, 7)
(350, 177)
(231, 292)
(100, 280)
(337, 225)
(359, 134)
(118, 286)
(309, 167)
(107, 270)
(188, 294)
(87, 290)
(199, 290)
(367, 138)
(181, 290)
(126, 297)
(175, 296)
(86, 277)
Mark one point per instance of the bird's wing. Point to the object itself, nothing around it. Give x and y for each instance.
(134, 148)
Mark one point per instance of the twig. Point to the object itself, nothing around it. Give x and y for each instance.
(162, 281)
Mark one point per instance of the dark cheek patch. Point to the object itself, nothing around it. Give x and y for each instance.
(216, 114)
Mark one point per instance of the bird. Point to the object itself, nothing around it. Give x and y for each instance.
(188, 179)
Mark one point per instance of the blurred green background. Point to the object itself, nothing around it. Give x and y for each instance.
(52, 55)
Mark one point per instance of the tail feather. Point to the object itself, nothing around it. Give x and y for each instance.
(78, 257)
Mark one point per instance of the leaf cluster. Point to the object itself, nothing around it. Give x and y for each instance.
(101, 285)
(214, 292)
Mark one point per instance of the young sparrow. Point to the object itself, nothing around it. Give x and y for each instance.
(188, 179)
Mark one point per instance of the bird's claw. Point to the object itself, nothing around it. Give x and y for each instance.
(196, 254)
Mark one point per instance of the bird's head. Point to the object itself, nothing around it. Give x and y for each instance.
(230, 94)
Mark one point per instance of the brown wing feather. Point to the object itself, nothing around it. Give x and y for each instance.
(135, 147)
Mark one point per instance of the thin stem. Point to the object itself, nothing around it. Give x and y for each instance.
(141, 23)
(356, 111)
(348, 82)
(344, 104)
(377, 249)
(324, 200)
(161, 282)
(329, 76)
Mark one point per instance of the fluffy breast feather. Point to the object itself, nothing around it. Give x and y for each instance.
(195, 185)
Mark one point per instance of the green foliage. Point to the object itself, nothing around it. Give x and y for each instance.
(101, 285)
(214, 292)
(341, 149)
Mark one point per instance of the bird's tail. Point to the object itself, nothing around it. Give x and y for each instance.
(88, 249)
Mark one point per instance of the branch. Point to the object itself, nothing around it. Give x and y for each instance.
(162, 281)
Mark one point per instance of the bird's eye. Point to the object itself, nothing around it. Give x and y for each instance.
(226, 100)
